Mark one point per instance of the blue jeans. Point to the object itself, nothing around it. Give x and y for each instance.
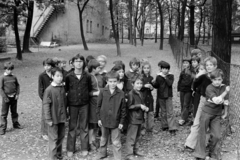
(185, 99)
(78, 115)
(213, 122)
(116, 141)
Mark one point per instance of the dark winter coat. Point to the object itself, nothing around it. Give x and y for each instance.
(147, 93)
(185, 81)
(43, 82)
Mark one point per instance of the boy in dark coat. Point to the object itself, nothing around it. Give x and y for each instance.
(111, 113)
(9, 90)
(54, 105)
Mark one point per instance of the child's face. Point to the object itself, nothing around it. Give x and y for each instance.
(134, 67)
(202, 69)
(57, 77)
(8, 71)
(62, 65)
(102, 62)
(199, 54)
(186, 64)
(194, 64)
(217, 81)
(160, 69)
(165, 71)
(121, 73)
(210, 66)
(47, 67)
(112, 83)
(138, 85)
(146, 69)
(97, 70)
(78, 63)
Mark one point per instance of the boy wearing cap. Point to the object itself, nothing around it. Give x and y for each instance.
(184, 89)
(163, 84)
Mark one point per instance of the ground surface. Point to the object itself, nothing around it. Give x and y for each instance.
(26, 144)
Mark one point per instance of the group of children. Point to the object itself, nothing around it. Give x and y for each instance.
(89, 98)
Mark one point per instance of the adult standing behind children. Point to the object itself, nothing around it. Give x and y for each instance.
(202, 79)
(55, 111)
(9, 90)
(44, 80)
(78, 86)
(111, 113)
(163, 84)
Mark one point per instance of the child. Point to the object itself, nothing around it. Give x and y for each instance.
(9, 89)
(62, 65)
(196, 90)
(103, 61)
(195, 64)
(97, 83)
(211, 115)
(111, 113)
(136, 109)
(157, 107)
(147, 95)
(88, 58)
(133, 72)
(202, 80)
(71, 66)
(122, 83)
(184, 90)
(54, 105)
(196, 53)
(78, 86)
(163, 84)
(44, 81)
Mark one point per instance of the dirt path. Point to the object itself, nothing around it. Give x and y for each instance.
(26, 144)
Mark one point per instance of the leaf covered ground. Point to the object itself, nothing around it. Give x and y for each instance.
(26, 144)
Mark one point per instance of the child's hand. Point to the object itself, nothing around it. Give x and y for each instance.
(6, 100)
(224, 116)
(161, 74)
(143, 107)
(217, 100)
(226, 102)
(227, 89)
(147, 85)
(146, 109)
(16, 97)
(193, 93)
(50, 123)
(99, 123)
(120, 126)
(178, 94)
(96, 93)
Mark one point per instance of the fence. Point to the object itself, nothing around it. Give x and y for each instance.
(231, 125)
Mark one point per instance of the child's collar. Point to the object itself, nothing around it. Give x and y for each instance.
(103, 71)
(5, 74)
(132, 70)
(55, 84)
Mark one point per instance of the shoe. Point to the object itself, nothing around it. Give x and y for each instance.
(181, 122)
(189, 123)
(173, 132)
(138, 153)
(165, 128)
(154, 131)
(188, 149)
(69, 154)
(2, 132)
(45, 137)
(16, 125)
(84, 153)
(93, 147)
(200, 159)
(143, 132)
(59, 157)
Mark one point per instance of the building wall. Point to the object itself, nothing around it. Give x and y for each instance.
(65, 26)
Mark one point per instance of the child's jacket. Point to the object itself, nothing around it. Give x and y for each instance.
(78, 89)
(164, 86)
(135, 113)
(55, 104)
(211, 92)
(130, 76)
(147, 92)
(43, 82)
(185, 81)
(111, 108)
(9, 86)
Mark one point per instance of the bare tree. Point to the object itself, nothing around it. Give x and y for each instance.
(160, 10)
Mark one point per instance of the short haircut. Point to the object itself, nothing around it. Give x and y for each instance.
(216, 73)
(196, 58)
(146, 63)
(93, 64)
(117, 67)
(119, 62)
(112, 74)
(48, 61)
(164, 64)
(195, 52)
(88, 58)
(78, 56)
(62, 60)
(102, 57)
(70, 61)
(8, 66)
(211, 59)
(134, 61)
(186, 59)
(54, 70)
(138, 77)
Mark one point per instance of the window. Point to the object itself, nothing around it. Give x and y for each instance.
(102, 30)
(90, 26)
(87, 26)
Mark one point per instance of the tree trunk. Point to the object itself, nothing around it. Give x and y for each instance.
(182, 23)
(80, 11)
(191, 23)
(115, 33)
(221, 43)
(200, 26)
(26, 37)
(161, 24)
(156, 14)
(204, 24)
(135, 23)
(15, 23)
(178, 19)
(130, 21)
